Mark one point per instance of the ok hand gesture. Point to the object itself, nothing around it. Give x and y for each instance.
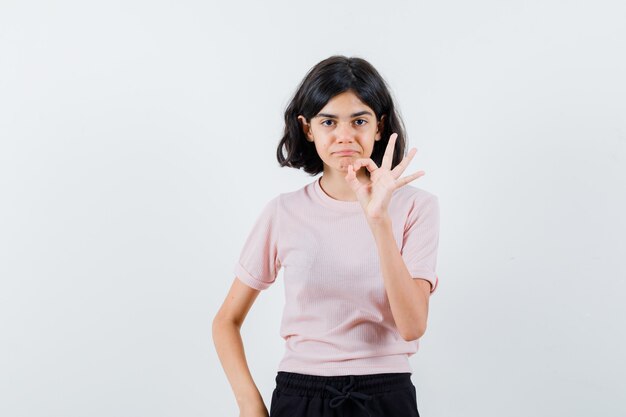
(375, 195)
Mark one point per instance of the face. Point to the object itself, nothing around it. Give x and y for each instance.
(345, 123)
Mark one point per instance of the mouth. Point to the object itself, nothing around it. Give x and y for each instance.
(345, 153)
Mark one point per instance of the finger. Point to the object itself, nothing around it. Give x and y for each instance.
(399, 169)
(367, 163)
(351, 178)
(388, 156)
(350, 173)
(404, 181)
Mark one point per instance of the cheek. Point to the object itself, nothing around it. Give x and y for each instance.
(322, 147)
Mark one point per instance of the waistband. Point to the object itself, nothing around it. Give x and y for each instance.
(358, 388)
(315, 385)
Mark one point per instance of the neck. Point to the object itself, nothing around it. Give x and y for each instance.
(334, 184)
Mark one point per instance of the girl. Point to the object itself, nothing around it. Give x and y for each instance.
(358, 247)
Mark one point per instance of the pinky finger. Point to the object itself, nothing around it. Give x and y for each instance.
(409, 178)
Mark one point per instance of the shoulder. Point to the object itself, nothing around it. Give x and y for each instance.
(413, 196)
(282, 202)
(410, 204)
(300, 197)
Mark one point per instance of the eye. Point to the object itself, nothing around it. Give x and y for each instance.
(330, 122)
(360, 122)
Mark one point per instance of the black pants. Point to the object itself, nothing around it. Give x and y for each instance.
(375, 395)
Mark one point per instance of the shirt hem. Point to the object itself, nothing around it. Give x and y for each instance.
(347, 370)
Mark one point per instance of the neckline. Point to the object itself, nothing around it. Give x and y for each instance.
(348, 206)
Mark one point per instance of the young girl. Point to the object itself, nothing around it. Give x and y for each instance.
(358, 248)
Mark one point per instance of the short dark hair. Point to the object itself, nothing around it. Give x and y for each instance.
(325, 80)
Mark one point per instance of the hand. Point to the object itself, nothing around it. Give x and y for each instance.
(375, 195)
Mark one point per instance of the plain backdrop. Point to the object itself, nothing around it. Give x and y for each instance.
(137, 148)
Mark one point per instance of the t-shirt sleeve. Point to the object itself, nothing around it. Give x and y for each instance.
(421, 240)
(258, 262)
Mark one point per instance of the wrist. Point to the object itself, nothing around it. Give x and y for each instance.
(381, 222)
(252, 406)
(250, 399)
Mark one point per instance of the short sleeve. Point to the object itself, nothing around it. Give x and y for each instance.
(421, 240)
(258, 262)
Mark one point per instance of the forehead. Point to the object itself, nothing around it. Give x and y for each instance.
(344, 104)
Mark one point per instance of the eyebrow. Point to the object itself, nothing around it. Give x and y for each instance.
(332, 116)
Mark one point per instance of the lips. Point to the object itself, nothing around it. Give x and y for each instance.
(349, 152)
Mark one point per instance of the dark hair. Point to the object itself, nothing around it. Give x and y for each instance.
(325, 80)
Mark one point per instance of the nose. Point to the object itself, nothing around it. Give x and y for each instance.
(344, 132)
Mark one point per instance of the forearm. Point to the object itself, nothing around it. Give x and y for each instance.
(229, 347)
(408, 304)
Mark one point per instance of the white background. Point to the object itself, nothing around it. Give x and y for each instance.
(138, 143)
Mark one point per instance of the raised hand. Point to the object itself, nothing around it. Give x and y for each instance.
(375, 195)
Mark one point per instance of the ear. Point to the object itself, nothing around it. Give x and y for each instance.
(306, 128)
(380, 127)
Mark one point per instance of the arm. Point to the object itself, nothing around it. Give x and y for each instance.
(408, 297)
(229, 346)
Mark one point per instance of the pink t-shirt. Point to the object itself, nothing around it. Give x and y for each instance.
(337, 319)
